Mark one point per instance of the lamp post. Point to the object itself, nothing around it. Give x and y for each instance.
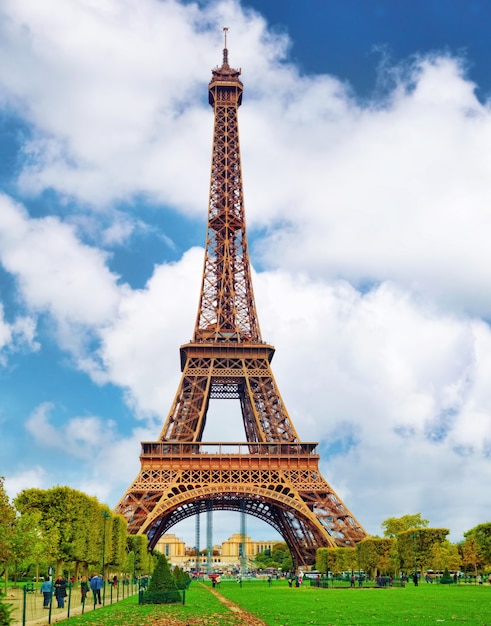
(359, 569)
(415, 578)
(106, 516)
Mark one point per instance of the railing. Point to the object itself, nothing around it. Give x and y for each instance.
(28, 603)
(165, 448)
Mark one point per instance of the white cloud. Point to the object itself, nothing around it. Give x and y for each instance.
(34, 477)
(57, 273)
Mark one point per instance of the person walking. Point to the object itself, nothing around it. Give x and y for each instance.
(84, 589)
(46, 590)
(60, 591)
(96, 586)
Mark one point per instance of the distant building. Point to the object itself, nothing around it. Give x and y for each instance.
(225, 557)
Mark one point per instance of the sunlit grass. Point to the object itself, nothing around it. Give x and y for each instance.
(424, 604)
(280, 605)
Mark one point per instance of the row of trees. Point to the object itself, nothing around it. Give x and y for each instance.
(277, 558)
(69, 531)
(409, 545)
(74, 533)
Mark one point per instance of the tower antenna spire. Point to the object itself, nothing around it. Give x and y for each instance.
(225, 51)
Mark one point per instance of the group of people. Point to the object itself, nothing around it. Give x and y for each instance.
(95, 584)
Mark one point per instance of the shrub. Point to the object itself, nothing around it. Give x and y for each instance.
(181, 578)
(162, 588)
(5, 617)
(446, 579)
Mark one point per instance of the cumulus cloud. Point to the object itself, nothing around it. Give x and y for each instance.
(57, 274)
(15, 336)
(33, 478)
(96, 458)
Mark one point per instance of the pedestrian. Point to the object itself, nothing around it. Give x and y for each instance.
(96, 586)
(60, 591)
(84, 589)
(46, 590)
(115, 581)
(415, 579)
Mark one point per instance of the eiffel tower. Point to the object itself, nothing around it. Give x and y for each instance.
(273, 475)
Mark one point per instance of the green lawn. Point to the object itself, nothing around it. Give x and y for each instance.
(280, 605)
(425, 604)
(201, 608)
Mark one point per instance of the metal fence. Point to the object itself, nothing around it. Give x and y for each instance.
(28, 601)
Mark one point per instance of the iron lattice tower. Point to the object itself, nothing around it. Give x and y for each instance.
(273, 475)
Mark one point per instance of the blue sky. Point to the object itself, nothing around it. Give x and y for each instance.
(366, 143)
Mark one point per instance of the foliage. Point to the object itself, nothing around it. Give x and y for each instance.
(181, 578)
(445, 555)
(327, 561)
(471, 552)
(138, 544)
(5, 614)
(71, 524)
(376, 555)
(279, 558)
(446, 579)
(416, 547)
(482, 534)
(7, 525)
(394, 525)
(117, 552)
(162, 588)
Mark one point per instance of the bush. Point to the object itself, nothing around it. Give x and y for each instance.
(446, 579)
(5, 617)
(161, 597)
(181, 579)
(162, 588)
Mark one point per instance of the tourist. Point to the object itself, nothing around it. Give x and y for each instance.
(60, 591)
(84, 589)
(46, 590)
(96, 586)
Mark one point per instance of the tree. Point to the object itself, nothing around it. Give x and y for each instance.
(77, 519)
(482, 533)
(471, 553)
(394, 525)
(445, 555)
(138, 544)
(346, 559)
(181, 578)
(26, 541)
(279, 558)
(117, 555)
(7, 530)
(416, 545)
(375, 555)
(162, 588)
(327, 560)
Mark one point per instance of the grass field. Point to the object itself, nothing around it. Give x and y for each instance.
(425, 604)
(279, 605)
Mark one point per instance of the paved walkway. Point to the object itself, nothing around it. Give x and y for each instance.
(36, 614)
